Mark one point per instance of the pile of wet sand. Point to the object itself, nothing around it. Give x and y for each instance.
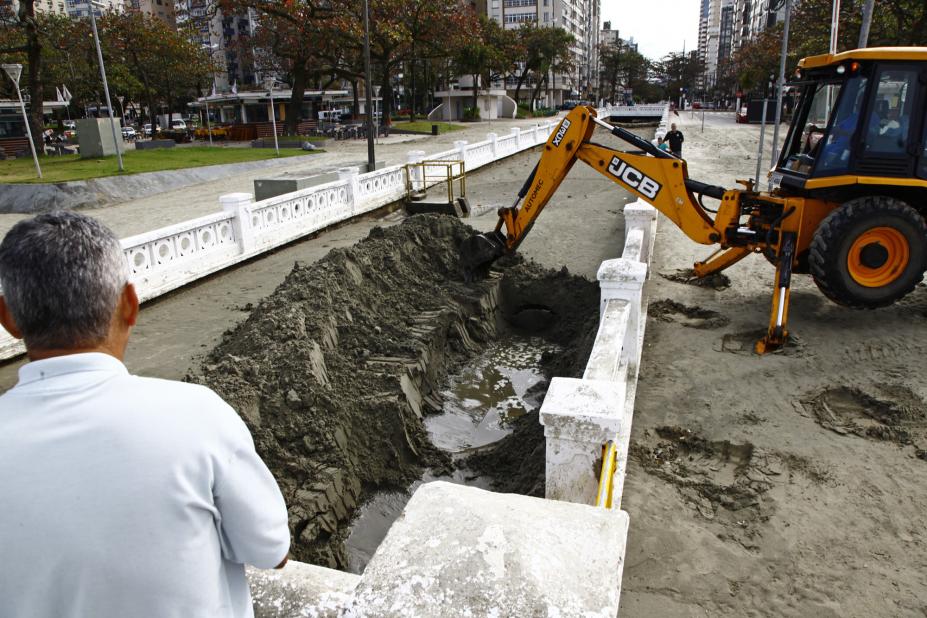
(334, 371)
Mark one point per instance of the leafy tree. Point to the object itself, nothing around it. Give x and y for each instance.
(544, 50)
(22, 41)
(622, 66)
(678, 72)
(485, 57)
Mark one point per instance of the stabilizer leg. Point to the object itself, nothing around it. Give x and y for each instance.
(716, 263)
(777, 334)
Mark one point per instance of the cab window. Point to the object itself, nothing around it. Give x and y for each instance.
(886, 131)
(834, 154)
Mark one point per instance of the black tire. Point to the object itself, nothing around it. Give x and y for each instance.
(835, 236)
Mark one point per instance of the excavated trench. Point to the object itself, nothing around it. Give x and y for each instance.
(379, 367)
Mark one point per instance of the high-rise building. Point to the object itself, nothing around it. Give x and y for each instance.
(726, 25)
(578, 17)
(224, 37)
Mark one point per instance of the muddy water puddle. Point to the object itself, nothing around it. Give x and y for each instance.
(478, 404)
(482, 399)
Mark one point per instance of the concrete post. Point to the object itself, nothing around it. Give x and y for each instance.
(350, 174)
(641, 215)
(624, 279)
(493, 144)
(517, 133)
(415, 173)
(239, 205)
(579, 417)
(460, 146)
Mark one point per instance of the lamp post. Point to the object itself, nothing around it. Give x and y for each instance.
(109, 105)
(210, 48)
(376, 111)
(371, 156)
(13, 71)
(781, 84)
(269, 83)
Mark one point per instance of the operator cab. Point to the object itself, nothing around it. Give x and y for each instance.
(860, 115)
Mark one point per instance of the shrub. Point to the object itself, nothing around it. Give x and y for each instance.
(471, 114)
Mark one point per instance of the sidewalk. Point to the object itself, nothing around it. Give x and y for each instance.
(145, 214)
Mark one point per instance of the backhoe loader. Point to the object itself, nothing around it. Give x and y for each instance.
(848, 198)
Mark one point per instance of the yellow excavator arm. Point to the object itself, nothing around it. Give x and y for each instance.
(660, 179)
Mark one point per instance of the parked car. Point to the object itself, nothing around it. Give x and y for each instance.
(146, 129)
(178, 125)
(129, 133)
(69, 124)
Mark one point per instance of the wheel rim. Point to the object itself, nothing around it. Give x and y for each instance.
(878, 257)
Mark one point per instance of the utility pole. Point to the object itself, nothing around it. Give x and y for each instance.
(117, 141)
(867, 22)
(371, 155)
(781, 85)
(835, 27)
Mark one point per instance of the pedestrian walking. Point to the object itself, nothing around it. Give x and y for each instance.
(675, 140)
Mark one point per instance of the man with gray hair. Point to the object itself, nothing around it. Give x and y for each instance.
(122, 495)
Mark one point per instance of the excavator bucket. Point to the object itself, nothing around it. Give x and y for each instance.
(479, 251)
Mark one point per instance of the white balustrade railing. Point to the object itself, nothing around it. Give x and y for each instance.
(170, 257)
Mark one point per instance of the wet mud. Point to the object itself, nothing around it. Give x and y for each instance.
(717, 281)
(728, 483)
(890, 413)
(692, 317)
(336, 372)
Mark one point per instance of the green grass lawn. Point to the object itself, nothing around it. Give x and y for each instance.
(424, 126)
(72, 167)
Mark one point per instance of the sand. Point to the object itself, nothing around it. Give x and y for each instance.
(792, 484)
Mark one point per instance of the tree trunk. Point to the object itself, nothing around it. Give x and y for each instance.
(34, 78)
(386, 98)
(476, 90)
(412, 91)
(355, 110)
(294, 107)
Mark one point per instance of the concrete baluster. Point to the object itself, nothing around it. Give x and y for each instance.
(350, 174)
(460, 146)
(493, 144)
(641, 215)
(239, 205)
(624, 279)
(579, 417)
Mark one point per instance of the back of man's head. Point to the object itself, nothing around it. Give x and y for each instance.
(62, 275)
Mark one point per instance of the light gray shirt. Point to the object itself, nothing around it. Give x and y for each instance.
(126, 496)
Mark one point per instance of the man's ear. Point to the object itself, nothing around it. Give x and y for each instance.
(6, 319)
(129, 305)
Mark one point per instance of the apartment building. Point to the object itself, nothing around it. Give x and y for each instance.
(578, 17)
(726, 25)
(224, 36)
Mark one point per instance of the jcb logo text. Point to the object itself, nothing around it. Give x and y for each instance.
(636, 179)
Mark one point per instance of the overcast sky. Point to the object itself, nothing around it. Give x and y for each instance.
(658, 26)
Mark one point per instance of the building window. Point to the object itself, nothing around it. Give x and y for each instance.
(518, 18)
(546, 15)
(516, 3)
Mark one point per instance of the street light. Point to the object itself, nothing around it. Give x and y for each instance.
(13, 71)
(376, 110)
(371, 156)
(211, 48)
(109, 105)
(269, 84)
